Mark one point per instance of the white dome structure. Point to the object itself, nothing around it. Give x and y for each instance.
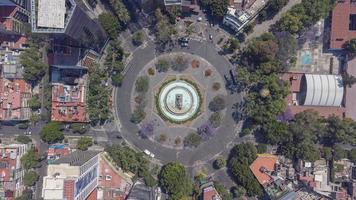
(322, 90)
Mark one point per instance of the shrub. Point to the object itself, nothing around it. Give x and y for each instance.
(162, 65)
(162, 137)
(219, 163)
(138, 115)
(142, 84)
(84, 143)
(30, 178)
(23, 139)
(192, 140)
(216, 86)
(151, 71)
(218, 103)
(215, 119)
(177, 141)
(180, 63)
(208, 72)
(139, 99)
(146, 130)
(23, 125)
(117, 79)
(80, 128)
(206, 131)
(261, 148)
(195, 64)
(138, 38)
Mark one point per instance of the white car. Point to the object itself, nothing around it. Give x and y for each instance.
(147, 152)
(200, 19)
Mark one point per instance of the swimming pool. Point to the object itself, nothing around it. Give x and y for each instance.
(306, 58)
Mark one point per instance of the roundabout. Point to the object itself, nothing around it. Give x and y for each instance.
(176, 104)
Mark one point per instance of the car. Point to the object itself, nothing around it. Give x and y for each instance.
(200, 19)
(183, 41)
(147, 152)
(210, 37)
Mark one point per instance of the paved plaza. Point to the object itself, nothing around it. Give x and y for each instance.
(226, 134)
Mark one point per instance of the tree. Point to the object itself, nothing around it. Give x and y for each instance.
(240, 158)
(218, 103)
(218, 8)
(238, 192)
(35, 103)
(110, 24)
(26, 195)
(327, 153)
(175, 181)
(164, 30)
(215, 119)
(162, 65)
(84, 143)
(142, 84)
(29, 160)
(30, 178)
(339, 153)
(117, 79)
(180, 63)
(52, 133)
(352, 155)
(192, 140)
(348, 80)
(261, 148)
(350, 47)
(24, 139)
(138, 38)
(138, 115)
(34, 68)
(222, 191)
(219, 163)
(120, 11)
(290, 23)
(129, 160)
(80, 128)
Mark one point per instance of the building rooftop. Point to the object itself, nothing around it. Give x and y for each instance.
(57, 151)
(343, 24)
(294, 101)
(263, 164)
(210, 193)
(51, 13)
(77, 158)
(351, 92)
(14, 97)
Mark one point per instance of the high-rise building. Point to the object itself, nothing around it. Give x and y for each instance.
(68, 24)
(11, 172)
(14, 14)
(72, 177)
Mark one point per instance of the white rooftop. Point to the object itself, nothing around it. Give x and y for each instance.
(51, 13)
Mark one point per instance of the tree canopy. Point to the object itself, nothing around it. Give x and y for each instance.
(240, 158)
(29, 160)
(110, 24)
(52, 133)
(175, 181)
(84, 143)
(34, 68)
(30, 178)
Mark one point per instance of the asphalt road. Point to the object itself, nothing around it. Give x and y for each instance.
(225, 134)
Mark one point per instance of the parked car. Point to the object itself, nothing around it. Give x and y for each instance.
(183, 42)
(147, 152)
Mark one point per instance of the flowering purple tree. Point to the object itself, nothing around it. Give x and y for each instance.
(206, 131)
(147, 130)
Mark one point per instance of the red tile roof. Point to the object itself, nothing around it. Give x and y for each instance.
(266, 162)
(209, 193)
(340, 32)
(14, 95)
